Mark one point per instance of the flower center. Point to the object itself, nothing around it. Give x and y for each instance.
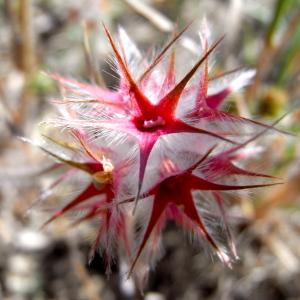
(148, 124)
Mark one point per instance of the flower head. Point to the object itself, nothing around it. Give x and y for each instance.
(158, 138)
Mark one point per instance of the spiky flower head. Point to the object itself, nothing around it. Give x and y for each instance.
(156, 148)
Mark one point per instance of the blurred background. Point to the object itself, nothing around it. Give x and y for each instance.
(66, 37)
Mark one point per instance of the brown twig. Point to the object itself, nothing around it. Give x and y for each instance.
(23, 49)
(89, 287)
(269, 51)
(93, 72)
(161, 22)
(279, 196)
(24, 41)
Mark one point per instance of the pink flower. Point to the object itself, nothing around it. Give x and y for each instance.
(158, 136)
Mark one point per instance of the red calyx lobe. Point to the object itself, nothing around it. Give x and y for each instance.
(150, 121)
(176, 192)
